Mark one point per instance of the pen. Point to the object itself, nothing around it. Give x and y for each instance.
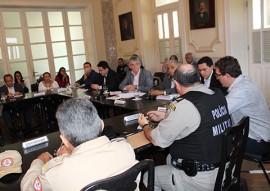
(55, 151)
(130, 134)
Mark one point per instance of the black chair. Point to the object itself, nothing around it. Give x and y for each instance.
(34, 87)
(260, 159)
(235, 137)
(125, 181)
(156, 81)
(160, 75)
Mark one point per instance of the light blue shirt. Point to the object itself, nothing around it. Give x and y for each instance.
(246, 99)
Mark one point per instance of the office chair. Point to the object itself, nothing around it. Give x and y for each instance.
(235, 137)
(125, 181)
(156, 81)
(260, 159)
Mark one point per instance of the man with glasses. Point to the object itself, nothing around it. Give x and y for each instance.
(167, 86)
(138, 78)
(245, 99)
(207, 72)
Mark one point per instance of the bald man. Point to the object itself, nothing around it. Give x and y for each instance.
(190, 129)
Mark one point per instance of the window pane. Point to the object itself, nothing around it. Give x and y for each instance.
(78, 74)
(160, 27)
(34, 19)
(266, 46)
(21, 66)
(266, 13)
(55, 18)
(256, 14)
(77, 47)
(16, 53)
(164, 2)
(39, 51)
(2, 71)
(57, 34)
(41, 66)
(11, 19)
(166, 25)
(76, 33)
(175, 24)
(61, 62)
(59, 49)
(74, 18)
(256, 42)
(36, 35)
(78, 61)
(14, 36)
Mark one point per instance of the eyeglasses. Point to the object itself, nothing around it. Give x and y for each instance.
(217, 75)
(135, 64)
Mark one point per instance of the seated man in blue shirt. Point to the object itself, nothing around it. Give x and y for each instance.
(138, 78)
(245, 99)
(89, 77)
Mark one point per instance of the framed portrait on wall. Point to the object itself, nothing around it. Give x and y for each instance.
(126, 26)
(202, 14)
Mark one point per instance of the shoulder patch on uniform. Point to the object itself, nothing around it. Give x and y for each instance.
(52, 163)
(172, 106)
(178, 99)
(37, 184)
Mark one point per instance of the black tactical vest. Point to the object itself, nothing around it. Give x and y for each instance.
(204, 144)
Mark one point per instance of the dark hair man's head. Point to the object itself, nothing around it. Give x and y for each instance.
(227, 69)
(205, 67)
(103, 68)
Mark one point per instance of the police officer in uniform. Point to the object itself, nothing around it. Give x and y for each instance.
(192, 128)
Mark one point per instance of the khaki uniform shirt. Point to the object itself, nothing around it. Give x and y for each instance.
(94, 160)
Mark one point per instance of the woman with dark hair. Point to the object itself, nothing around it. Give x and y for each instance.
(18, 78)
(62, 78)
(47, 83)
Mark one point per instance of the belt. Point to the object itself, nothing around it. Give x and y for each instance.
(199, 165)
(261, 142)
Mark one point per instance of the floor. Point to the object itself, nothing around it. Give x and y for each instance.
(256, 182)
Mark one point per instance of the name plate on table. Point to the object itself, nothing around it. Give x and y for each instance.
(35, 142)
(61, 90)
(39, 94)
(120, 102)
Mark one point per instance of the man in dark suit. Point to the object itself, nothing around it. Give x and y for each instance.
(10, 90)
(89, 77)
(107, 78)
(138, 78)
(207, 72)
(201, 18)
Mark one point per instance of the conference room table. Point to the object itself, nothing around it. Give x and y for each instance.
(115, 126)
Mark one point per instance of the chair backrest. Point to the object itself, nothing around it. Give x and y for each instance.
(125, 181)
(235, 137)
(34, 87)
(156, 81)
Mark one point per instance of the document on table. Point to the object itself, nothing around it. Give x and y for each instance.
(138, 140)
(129, 94)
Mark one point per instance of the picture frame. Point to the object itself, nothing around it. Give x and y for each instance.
(202, 14)
(126, 26)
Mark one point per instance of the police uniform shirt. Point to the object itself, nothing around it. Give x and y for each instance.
(179, 122)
